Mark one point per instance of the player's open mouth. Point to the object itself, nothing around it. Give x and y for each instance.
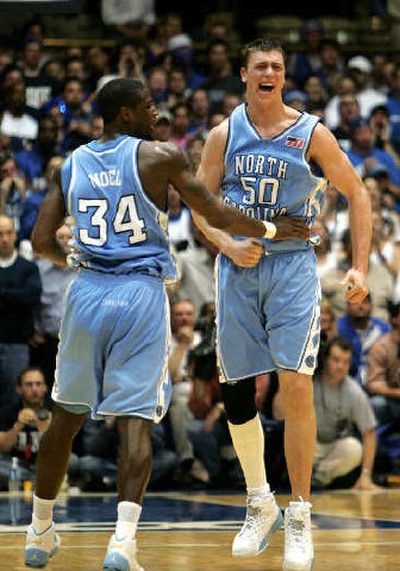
(266, 87)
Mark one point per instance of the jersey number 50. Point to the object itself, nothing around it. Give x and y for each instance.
(126, 220)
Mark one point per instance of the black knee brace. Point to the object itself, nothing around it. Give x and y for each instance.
(239, 400)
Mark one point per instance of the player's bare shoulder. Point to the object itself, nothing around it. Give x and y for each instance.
(161, 159)
(217, 137)
(159, 152)
(322, 141)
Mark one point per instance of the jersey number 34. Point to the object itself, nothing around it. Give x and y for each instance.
(126, 219)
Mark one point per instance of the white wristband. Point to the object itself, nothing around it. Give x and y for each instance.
(270, 230)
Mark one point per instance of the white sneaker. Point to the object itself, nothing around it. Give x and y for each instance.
(121, 555)
(299, 550)
(263, 516)
(40, 547)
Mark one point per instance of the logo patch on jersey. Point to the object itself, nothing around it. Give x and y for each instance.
(295, 142)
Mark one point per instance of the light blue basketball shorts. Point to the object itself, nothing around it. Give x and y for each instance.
(113, 352)
(268, 317)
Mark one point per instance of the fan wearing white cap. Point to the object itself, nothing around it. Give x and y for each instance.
(360, 69)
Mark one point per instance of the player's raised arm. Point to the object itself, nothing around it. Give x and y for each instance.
(325, 151)
(51, 216)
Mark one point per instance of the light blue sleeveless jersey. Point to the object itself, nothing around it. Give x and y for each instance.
(117, 228)
(265, 178)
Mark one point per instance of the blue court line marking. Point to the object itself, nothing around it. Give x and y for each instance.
(162, 512)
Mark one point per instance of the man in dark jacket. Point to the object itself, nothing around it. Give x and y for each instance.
(20, 289)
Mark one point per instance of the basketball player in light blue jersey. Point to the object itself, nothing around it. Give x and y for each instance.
(261, 160)
(113, 349)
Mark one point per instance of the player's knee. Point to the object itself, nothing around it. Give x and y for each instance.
(297, 397)
(239, 400)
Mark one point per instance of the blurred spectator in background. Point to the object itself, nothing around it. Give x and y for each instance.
(379, 123)
(316, 93)
(302, 64)
(326, 258)
(39, 86)
(385, 250)
(362, 330)
(179, 217)
(379, 283)
(181, 49)
(342, 86)
(219, 76)
(10, 76)
(346, 423)
(349, 109)
(178, 90)
(34, 198)
(162, 128)
(20, 290)
(381, 62)
(229, 102)
(335, 216)
(55, 281)
(208, 431)
(393, 107)
(180, 124)
(157, 82)
(297, 99)
(71, 113)
(383, 203)
(360, 69)
(165, 460)
(17, 121)
(328, 330)
(184, 339)
(12, 189)
(383, 379)
(97, 63)
(194, 149)
(97, 447)
(22, 424)
(96, 127)
(6, 59)
(197, 268)
(32, 162)
(123, 16)
(365, 156)
(332, 64)
(130, 61)
(199, 111)
(75, 67)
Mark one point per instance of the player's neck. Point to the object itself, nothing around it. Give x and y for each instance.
(265, 115)
(110, 134)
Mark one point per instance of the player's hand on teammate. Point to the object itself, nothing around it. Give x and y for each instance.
(354, 281)
(245, 253)
(289, 227)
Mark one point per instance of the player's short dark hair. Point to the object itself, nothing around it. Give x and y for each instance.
(260, 45)
(118, 93)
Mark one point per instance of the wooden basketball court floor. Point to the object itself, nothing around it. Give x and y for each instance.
(193, 531)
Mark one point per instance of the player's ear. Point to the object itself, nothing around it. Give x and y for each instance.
(125, 113)
(243, 74)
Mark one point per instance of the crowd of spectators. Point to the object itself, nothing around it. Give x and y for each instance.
(48, 108)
